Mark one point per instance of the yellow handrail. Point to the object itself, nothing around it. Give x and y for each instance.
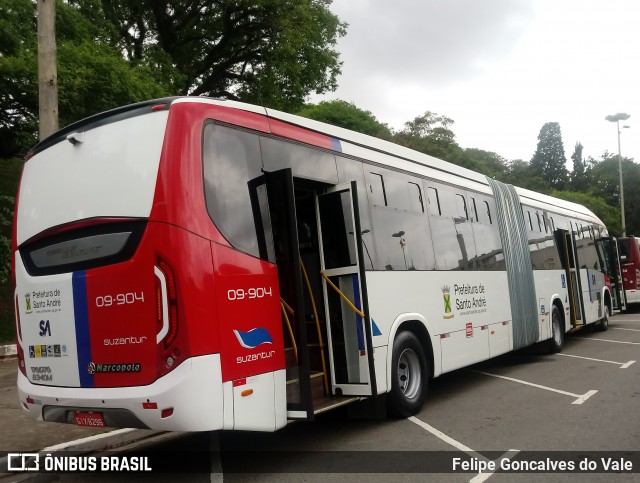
(284, 304)
(315, 314)
(343, 296)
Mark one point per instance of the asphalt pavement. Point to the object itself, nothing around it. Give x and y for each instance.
(19, 433)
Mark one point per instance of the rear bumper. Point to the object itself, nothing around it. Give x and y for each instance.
(193, 390)
(633, 296)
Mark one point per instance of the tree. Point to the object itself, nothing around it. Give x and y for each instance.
(520, 173)
(609, 215)
(549, 161)
(604, 181)
(430, 133)
(490, 164)
(578, 174)
(347, 115)
(92, 75)
(272, 52)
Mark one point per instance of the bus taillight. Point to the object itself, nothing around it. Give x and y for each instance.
(21, 364)
(166, 312)
(637, 279)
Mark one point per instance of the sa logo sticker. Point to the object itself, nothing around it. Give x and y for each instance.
(45, 328)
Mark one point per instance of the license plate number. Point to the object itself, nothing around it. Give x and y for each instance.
(91, 420)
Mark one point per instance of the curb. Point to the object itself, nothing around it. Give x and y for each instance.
(8, 351)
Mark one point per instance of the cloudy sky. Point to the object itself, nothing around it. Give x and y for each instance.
(499, 68)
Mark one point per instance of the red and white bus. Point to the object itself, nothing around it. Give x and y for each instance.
(197, 264)
(629, 250)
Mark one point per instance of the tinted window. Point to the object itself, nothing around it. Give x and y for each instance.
(231, 159)
(303, 161)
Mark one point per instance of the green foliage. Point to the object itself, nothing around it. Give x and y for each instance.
(549, 161)
(116, 52)
(578, 174)
(271, 52)
(603, 179)
(10, 170)
(6, 218)
(430, 134)
(520, 173)
(347, 115)
(488, 163)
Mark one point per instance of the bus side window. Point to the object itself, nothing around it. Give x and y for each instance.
(434, 202)
(376, 188)
(474, 210)
(416, 197)
(462, 207)
(486, 204)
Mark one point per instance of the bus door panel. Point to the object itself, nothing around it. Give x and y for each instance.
(273, 202)
(348, 321)
(610, 260)
(566, 243)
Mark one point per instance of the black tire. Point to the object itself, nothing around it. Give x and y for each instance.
(409, 376)
(604, 323)
(557, 333)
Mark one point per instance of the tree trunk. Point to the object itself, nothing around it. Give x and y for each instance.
(47, 69)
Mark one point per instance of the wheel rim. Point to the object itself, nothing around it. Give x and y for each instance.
(605, 321)
(409, 373)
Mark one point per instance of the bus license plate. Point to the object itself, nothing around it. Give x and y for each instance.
(91, 420)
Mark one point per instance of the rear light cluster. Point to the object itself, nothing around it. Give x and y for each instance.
(166, 317)
(21, 363)
(637, 279)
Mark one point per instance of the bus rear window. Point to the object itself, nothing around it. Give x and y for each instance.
(624, 246)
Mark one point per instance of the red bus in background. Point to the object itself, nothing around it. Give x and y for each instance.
(630, 263)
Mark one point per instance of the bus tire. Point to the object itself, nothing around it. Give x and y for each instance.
(409, 376)
(604, 323)
(557, 334)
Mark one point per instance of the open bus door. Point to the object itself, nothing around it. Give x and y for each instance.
(273, 201)
(610, 259)
(566, 243)
(345, 294)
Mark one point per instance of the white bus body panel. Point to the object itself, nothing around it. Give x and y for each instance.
(67, 182)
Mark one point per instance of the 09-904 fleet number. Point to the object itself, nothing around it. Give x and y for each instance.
(250, 293)
(119, 299)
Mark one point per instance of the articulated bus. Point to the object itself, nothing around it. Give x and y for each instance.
(197, 264)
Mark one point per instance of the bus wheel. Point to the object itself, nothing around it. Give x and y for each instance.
(557, 334)
(409, 376)
(604, 323)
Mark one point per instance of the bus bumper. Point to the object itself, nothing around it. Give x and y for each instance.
(189, 398)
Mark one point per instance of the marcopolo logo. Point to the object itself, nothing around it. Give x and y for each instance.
(253, 338)
(116, 367)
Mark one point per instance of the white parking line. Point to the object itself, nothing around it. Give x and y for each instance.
(580, 398)
(458, 445)
(622, 328)
(485, 476)
(607, 340)
(623, 365)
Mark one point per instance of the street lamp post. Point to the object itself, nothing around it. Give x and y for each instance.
(621, 116)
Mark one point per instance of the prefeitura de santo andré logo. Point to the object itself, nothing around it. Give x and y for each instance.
(446, 295)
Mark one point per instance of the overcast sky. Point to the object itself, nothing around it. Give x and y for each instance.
(499, 68)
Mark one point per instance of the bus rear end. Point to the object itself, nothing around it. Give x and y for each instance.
(104, 288)
(630, 263)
